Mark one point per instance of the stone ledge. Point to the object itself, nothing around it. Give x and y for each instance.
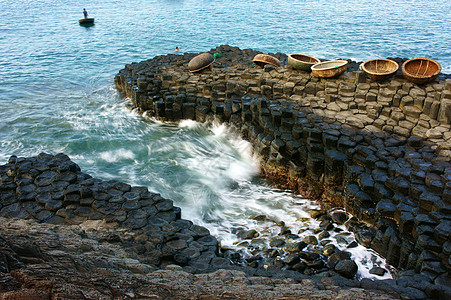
(52, 189)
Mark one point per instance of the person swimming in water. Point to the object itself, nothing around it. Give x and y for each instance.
(85, 13)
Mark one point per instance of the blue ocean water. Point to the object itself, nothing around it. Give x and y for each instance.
(57, 92)
(53, 71)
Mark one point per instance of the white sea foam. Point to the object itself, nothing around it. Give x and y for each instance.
(117, 155)
(220, 195)
(188, 123)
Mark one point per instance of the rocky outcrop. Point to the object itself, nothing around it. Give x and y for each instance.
(66, 235)
(379, 149)
(95, 261)
(52, 189)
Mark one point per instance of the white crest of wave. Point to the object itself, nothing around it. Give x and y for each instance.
(117, 155)
(219, 156)
(219, 129)
(188, 124)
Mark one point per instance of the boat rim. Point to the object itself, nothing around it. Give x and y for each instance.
(325, 65)
(304, 61)
(404, 70)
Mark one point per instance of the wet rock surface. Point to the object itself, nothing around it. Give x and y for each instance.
(381, 149)
(312, 245)
(90, 261)
(52, 189)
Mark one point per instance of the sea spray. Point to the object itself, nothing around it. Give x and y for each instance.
(224, 194)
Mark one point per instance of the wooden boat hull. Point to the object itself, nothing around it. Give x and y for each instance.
(86, 21)
(200, 62)
(421, 70)
(380, 69)
(263, 59)
(329, 69)
(302, 62)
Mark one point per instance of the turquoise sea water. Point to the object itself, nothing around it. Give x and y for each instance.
(57, 92)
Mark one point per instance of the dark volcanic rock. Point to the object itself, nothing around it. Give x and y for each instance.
(378, 149)
(59, 187)
(347, 268)
(369, 147)
(336, 257)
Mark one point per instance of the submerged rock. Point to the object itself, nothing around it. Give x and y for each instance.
(310, 240)
(248, 234)
(339, 217)
(378, 271)
(346, 268)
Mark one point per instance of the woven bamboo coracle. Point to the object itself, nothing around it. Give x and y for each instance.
(421, 70)
(380, 69)
(200, 62)
(263, 59)
(302, 61)
(329, 69)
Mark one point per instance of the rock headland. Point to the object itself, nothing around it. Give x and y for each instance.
(381, 149)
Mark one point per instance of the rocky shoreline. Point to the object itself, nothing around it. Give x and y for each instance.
(379, 149)
(66, 235)
(77, 262)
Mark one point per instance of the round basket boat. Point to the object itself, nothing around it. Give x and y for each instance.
(263, 59)
(380, 69)
(86, 21)
(329, 68)
(420, 70)
(200, 62)
(302, 61)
